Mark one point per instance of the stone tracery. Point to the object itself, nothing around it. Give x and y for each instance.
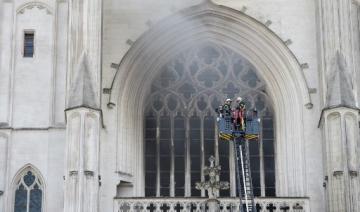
(28, 195)
(210, 23)
(181, 110)
(197, 82)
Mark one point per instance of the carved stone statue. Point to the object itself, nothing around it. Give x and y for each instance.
(213, 185)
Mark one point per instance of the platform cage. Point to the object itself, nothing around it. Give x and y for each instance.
(226, 126)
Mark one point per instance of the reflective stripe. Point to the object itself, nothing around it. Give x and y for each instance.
(251, 136)
(226, 136)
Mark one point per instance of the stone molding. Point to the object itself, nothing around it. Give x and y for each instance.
(233, 29)
(32, 5)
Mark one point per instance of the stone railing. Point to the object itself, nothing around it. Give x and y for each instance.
(198, 204)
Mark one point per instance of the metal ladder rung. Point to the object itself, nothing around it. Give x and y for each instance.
(243, 170)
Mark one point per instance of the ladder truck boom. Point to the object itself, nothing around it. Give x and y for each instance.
(236, 126)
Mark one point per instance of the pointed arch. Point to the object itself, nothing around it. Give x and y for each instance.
(28, 190)
(282, 74)
(38, 4)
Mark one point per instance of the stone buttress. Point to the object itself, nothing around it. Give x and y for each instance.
(83, 113)
(340, 115)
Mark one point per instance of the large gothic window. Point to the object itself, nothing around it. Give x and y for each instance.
(180, 123)
(28, 192)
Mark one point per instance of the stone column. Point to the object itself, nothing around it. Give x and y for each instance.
(340, 124)
(340, 115)
(83, 118)
(337, 36)
(342, 159)
(82, 160)
(83, 113)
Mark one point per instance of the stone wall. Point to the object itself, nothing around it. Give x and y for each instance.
(295, 24)
(32, 96)
(33, 91)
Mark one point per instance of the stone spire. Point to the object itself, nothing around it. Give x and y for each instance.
(82, 90)
(340, 87)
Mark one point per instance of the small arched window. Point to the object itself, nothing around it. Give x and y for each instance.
(28, 194)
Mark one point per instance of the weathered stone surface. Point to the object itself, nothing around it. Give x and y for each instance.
(34, 92)
(340, 86)
(82, 91)
(340, 114)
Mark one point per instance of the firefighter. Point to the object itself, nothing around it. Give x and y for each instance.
(227, 107)
(239, 115)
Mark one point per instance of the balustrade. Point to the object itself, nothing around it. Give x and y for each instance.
(199, 204)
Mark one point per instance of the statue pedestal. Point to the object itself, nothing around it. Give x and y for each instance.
(213, 205)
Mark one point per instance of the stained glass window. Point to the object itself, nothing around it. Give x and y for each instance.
(28, 193)
(180, 122)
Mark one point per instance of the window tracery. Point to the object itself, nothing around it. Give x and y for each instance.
(28, 192)
(180, 123)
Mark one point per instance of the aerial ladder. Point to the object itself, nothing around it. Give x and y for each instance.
(240, 130)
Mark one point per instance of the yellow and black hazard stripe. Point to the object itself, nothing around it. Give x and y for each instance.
(251, 136)
(226, 136)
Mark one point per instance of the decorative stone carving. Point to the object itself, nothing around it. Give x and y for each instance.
(32, 5)
(197, 204)
(213, 186)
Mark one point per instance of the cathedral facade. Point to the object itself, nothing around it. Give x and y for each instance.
(110, 105)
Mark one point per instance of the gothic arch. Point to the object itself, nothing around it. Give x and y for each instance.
(30, 5)
(18, 177)
(286, 84)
